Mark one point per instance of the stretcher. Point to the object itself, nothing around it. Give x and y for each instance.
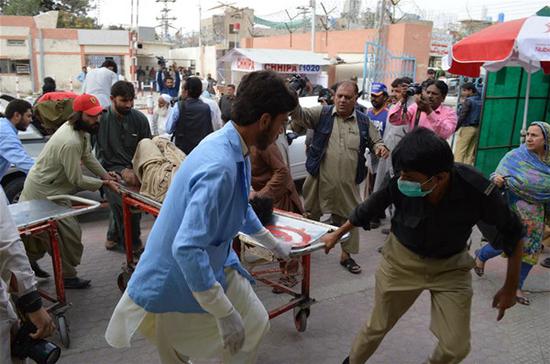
(36, 216)
(303, 234)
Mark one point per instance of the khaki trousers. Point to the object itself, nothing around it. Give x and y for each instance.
(466, 144)
(70, 245)
(401, 277)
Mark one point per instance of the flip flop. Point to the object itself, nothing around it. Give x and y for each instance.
(523, 300)
(478, 270)
(351, 266)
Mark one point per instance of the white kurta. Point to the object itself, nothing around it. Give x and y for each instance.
(193, 335)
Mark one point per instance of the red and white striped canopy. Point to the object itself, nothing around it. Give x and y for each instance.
(522, 42)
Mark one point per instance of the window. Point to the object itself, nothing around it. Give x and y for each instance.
(18, 66)
(16, 42)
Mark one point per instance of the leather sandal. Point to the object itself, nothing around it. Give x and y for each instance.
(351, 266)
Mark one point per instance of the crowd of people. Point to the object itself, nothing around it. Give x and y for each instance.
(189, 294)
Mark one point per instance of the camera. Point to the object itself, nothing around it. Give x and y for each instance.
(414, 89)
(41, 351)
(297, 83)
(326, 96)
(161, 61)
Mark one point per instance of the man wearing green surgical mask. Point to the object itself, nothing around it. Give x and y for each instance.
(437, 202)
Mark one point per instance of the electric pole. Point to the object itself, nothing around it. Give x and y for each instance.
(379, 64)
(313, 25)
(165, 20)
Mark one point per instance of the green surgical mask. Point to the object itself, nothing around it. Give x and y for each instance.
(412, 189)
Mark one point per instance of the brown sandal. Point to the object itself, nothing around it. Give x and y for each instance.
(351, 266)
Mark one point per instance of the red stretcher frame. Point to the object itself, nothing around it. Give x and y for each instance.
(28, 225)
(301, 300)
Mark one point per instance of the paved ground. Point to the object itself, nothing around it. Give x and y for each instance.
(344, 303)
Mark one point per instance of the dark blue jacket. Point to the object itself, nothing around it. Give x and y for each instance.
(470, 113)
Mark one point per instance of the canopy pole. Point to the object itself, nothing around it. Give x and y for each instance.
(526, 108)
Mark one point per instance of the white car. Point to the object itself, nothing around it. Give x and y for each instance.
(297, 148)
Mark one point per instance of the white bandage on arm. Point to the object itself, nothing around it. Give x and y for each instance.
(214, 301)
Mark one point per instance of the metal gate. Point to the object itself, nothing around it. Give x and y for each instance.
(380, 65)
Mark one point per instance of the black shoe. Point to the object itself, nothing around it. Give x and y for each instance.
(346, 360)
(385, 231)
(545, 263)
(38, 271)
(76, 283)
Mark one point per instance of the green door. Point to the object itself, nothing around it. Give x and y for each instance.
(502, 114)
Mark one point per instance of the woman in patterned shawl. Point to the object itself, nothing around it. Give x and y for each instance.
(525, 172)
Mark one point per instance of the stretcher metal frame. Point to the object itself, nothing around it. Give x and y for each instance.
(29, 221)
(301, 300)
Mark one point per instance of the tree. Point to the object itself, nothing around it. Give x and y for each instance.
(21, 7)
(72, 13)
(69, 20)
(78, 8)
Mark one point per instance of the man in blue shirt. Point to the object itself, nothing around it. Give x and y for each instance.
(378, 115)
(18, 117)
(167, 84)
(189, 293)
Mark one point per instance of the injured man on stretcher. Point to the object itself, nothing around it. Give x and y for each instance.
(189, 294)
(155, 163)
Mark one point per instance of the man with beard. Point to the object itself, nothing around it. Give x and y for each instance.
(18, 117)
(121, 129)
(189, 294)
(378, 115)
(58, 171)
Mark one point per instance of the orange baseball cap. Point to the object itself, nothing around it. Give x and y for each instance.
(88, 104)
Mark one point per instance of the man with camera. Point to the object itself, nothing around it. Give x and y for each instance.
(15, 264)
(336, 160)
(428, 111)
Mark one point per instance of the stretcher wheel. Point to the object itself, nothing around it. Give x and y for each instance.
(122, 280)
(300, 320)
(63, 328)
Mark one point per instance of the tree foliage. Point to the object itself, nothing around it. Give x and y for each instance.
(72, 13)
(21, 7)
(69, 20)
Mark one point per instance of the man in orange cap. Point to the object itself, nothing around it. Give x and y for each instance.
(58, 171)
